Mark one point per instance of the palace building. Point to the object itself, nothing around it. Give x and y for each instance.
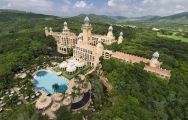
(86, 52)
(67, 40)
(88, 48)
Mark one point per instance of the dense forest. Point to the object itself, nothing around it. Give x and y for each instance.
(136, 94)
(141, 95)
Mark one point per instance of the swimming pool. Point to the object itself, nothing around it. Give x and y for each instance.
(44, 80)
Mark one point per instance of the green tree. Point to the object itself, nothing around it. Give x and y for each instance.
(55, 87)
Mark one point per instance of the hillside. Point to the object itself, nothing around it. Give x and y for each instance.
(183, 15)
(95, 18)
(136, 94)
(118, 18)
(172, 22)
(181, 18)
(175, 22)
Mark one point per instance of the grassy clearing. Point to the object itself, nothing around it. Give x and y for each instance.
(174, 37)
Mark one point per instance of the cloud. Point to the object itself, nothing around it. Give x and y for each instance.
(111, 3)
(128, 8)
(80, 4)
(28, 5)
(145, 7)
(9, 5)
(147, 1)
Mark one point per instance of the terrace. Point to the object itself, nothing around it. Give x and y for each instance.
(71, 68)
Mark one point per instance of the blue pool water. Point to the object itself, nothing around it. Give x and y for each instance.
(44, 80)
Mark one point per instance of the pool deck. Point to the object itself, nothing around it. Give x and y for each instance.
(71, 83)
(61, 80)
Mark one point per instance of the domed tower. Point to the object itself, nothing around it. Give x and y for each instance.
(110, 36)
(110, 32)
(86, 29)
(51, 30)
(80, 38)
(65, 25)
(66, 30)
(120, 39)
(154, 61)
(100, 48)
(46, 31)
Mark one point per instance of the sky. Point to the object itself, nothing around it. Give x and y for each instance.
(128, 8)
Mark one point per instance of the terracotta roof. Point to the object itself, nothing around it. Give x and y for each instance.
(160, 71)
(129, 58)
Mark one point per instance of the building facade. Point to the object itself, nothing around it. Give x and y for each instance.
(84, 51)
(88, 48)
(155, 67)
(67, 40)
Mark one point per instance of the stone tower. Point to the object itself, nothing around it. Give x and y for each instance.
(46, 31)
(66, 30)
(110, 35)
(120, 39)
(80, 37)
(65, 26)
(86, 30)
(100, 48)
(154, 61)
(110, 32)
(51, 31)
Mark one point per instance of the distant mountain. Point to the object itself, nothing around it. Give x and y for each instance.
(118, 18)
(180, 19)
(183, 15)
(112, 19)
(143, 18)
(95, 18)
(11, 11)
(6, 14)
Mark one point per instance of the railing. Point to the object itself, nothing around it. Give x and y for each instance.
(42, 88)
(79, 105)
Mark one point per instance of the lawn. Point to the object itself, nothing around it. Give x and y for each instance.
(57, 69)
(174, 37)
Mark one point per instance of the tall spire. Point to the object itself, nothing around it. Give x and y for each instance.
(154, 61)
(86, 20)
(51, 29)
(65, 26)
(65, 23)
(121, 34)
(120, 39)
(110, 32)
(86, 30)
(156, 55)
(110, 28)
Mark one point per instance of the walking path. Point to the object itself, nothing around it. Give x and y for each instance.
(89, 72)
(106, 83)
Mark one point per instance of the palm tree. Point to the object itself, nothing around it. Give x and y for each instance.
(73, 94)
(55, 87)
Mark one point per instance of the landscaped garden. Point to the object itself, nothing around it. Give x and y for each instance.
(21, 93)
(70, 76)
